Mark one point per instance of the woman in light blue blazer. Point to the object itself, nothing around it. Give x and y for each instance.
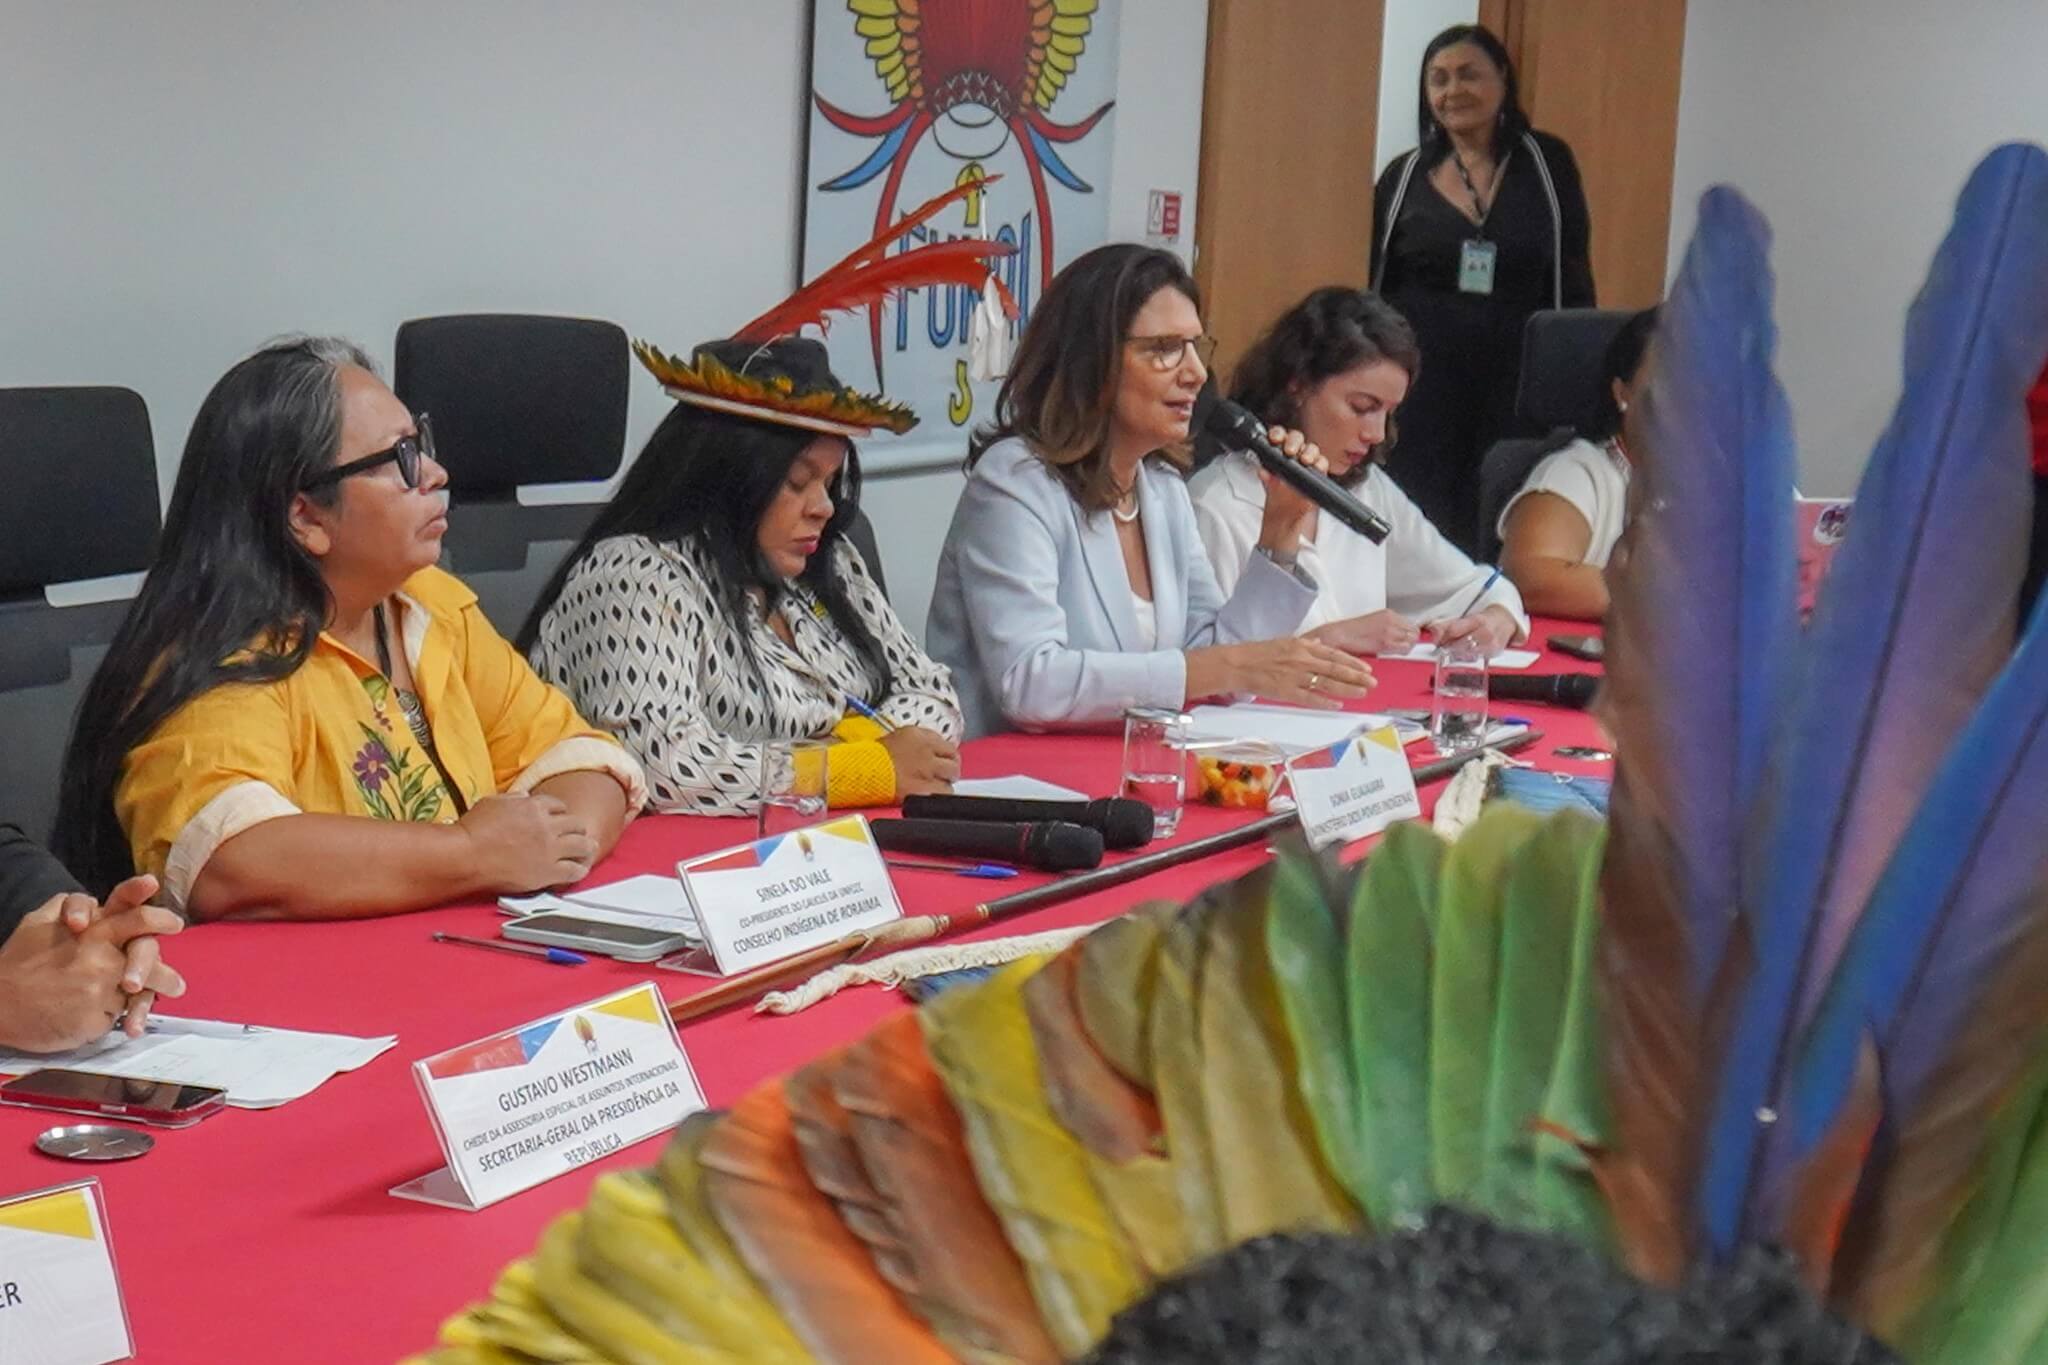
(1073, 583)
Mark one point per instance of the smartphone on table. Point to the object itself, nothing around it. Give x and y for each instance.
(1592, 648)
(166, 1104)
(626, 942)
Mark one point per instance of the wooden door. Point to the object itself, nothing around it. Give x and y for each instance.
(1603, 75)
(1289, 117)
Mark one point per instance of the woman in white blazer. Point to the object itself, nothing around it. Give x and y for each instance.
(1073, 584)
(1336, 365)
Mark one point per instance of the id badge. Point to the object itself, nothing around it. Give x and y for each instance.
(1475, 267)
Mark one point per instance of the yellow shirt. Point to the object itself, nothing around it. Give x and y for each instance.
(331, 740)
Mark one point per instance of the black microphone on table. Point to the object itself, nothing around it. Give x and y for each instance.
(1551, 689)
(1232, 422)
(1047, 845)
(1121, 821)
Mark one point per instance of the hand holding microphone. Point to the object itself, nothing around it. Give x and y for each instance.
(1232, 423)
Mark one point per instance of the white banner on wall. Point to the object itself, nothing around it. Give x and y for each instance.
(909, 100)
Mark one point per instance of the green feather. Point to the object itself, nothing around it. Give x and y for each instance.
(1545, 960)
(1463, 993)
(1305, 953)
(1575, 1099)
(1392, 907)
(1990, 1270)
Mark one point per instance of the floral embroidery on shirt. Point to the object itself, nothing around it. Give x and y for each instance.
(393, 786)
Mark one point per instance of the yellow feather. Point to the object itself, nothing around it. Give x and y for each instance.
(598, 1316)
(1033, 1172)
(1270, 1171)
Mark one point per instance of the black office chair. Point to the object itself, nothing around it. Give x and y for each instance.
(1561, 391)
(79, 466)
(515, 399)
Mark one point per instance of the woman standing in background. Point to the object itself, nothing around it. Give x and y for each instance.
(1474, 230)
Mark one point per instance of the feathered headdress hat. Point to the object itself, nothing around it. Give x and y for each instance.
(767, 372)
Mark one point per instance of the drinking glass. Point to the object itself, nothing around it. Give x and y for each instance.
(1458, 722)
(1156, 764)
(792, 786)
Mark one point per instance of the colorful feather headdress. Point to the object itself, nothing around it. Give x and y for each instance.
(1790, 993)
(760, 372)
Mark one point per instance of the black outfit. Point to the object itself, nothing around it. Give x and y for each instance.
(28, 877)
(1464, 398)
(2037, 552)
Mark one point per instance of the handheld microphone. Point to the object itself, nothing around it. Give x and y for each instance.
(1231, 422)
(1121, 821)
(1552, 689)
(1048, 845)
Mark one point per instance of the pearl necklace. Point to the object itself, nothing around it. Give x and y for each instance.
(1116, 508)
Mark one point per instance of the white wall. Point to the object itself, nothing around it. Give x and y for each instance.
(1852, 124)
(1410, 26)
(182, 181)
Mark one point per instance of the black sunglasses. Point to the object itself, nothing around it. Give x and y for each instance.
(406, 455)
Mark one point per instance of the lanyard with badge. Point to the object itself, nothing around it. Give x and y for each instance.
(1476, 255)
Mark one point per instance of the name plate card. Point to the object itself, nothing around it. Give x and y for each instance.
(531, 1103)
(764, 901)
(60, 1301)
(1353, 789)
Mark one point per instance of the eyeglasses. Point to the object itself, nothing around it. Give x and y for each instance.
(406, 455)
(1170, 352)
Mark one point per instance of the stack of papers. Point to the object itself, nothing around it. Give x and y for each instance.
(1507, 658)
(651, 900)
(1290, 729)
(260, 1068)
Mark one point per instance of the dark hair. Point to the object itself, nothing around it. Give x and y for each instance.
(707, 477)
(1334, 329)
(1436, 143)
(1061, 389)
(1462, 1288)
(1624, 356)
(232, 597)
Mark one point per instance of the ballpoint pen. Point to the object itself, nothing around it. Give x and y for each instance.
(859, 707)
(561, 957)
(1484, 588)
(988, 871)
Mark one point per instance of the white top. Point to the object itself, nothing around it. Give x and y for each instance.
(1032, 607)
(1415, 571)
(1148, 622)
(640, 643)
(1594, 479)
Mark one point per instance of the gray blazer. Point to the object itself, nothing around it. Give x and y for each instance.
(1032, 608)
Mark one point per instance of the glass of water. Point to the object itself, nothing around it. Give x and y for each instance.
(792, 785)
(1458, 722)
(1156, 764)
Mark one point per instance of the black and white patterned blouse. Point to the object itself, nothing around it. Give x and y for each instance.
(640, 643)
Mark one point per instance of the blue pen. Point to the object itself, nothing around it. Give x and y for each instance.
(859, 707)
(986, 871)
(561, 957)
(1484, 588)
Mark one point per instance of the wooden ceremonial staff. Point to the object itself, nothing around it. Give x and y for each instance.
(750, 986)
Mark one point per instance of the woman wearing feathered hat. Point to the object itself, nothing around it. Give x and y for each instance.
(716, 605)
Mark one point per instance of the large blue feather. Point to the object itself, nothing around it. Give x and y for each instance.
(1913, 623)
(1703, 619)
(1954, 903)
(1700, 626)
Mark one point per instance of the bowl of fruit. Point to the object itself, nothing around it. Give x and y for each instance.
(1237, 779)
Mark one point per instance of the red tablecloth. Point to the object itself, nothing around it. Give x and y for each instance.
(262, 1235)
